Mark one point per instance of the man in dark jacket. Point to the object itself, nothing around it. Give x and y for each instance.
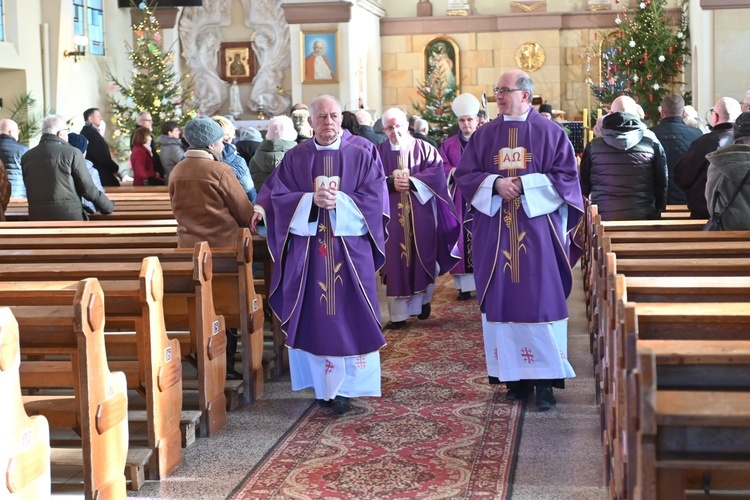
(11, 152)
(675, 137)
(365, 128)
(421, 128)
(690, 171)
(98, 152)
(56, 177)
(624, 171)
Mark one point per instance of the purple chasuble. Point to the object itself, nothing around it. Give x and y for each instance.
(418, 235)
(451, 151)
(324, 287)
(522, 265)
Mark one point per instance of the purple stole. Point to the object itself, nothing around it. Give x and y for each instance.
(522, 265)
(324, 287)
(418, 237)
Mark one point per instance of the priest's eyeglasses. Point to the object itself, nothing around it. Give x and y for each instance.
(396, 126)
(505, 90)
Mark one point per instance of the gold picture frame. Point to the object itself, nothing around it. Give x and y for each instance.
(320, 56)
(440, 60)
(237, 62)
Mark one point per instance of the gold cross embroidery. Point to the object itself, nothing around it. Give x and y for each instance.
(509, 160)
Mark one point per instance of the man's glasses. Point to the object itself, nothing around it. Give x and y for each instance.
(394, 127)
(505, 90)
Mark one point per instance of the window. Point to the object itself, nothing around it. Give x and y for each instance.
(88, 20)
(2, 22)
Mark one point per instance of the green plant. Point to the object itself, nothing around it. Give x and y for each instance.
(29, 121)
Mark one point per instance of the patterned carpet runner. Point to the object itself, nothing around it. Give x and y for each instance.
(438, 431)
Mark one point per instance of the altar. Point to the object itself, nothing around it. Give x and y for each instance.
(261, 125)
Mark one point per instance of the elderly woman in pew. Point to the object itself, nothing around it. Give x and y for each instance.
(729, 173)
(56, 177)
(208, 201)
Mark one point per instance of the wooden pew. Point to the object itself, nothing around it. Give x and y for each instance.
(700, 362)
(155, 372)
(233, 286)
(682, 430)
(25, 450)
(99, 407)
(188, 305)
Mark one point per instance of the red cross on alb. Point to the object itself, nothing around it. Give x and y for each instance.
(527, 355)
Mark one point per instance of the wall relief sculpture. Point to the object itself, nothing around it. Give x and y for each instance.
(200, 39)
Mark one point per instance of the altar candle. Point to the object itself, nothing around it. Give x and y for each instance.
(585, 118)
(260, 100)
(598, 113)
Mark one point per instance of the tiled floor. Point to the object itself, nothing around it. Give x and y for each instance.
(560, 456)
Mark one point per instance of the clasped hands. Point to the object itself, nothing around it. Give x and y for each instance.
(325, 197)
(509, 188)
(401, 184)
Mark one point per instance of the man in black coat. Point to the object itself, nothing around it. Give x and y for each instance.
(98, 152)
(675, 137)
(365, 128)
(690, 171)
(421, 128)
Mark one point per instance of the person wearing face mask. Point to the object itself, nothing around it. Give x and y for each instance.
(465, 107)
(208, 201)
(519, 177)
(424, 226)
(323, 208)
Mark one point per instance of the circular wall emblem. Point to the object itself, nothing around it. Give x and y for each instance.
(530, 56)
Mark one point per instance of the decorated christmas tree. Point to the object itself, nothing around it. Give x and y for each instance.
(154, 87)
(644, 56)
(438, 91)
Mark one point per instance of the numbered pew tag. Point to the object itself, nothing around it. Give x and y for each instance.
(255, 304)
(26, 440)
(216, 327)
(168, 354)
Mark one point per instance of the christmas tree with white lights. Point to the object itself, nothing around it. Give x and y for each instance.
(645, 56)
(155, 87)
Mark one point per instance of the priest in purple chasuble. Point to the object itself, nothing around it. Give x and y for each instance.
(423, 229)
(323, 211)
(465, 107)
(519, 175)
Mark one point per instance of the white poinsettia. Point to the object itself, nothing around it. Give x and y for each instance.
(662, 58)
(657, 86)
(632, 43)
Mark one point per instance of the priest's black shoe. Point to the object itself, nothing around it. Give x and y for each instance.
(517, 394)
(340, 405)
(324, 403)
(395, 325)
(545, 400)
(426, 310)
(494, 380)
(463, 296)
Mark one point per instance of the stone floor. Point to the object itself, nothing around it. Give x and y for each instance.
(560, 455)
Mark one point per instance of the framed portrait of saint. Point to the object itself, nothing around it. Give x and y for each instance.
(441, 63)
(320, 56)
(237, 62)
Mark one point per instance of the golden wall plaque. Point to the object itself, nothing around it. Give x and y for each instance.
(530, 56)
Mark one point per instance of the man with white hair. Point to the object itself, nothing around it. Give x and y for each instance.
(56, 177)
(465, 107)
(745, 102)
(365, 127)
(691, 171)
(424, 226)
(323, 210)
(421, 129)
(11, 151)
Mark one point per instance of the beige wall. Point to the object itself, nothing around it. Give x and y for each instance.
(483, 57)
(23, 59)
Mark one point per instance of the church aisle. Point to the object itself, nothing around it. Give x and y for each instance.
(560, 454)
